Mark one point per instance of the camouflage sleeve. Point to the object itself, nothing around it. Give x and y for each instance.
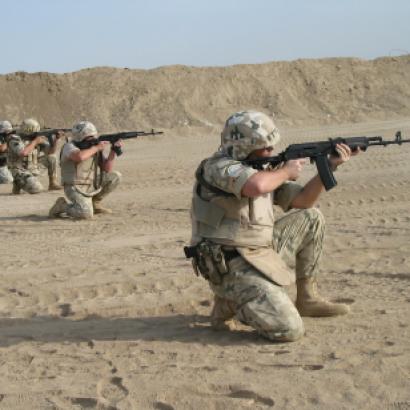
(228, 175)
(285, 194)
(16, 146)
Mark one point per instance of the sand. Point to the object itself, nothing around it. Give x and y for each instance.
(107, 313)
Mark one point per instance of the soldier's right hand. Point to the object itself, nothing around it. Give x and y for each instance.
(294, 168)
(40, 139)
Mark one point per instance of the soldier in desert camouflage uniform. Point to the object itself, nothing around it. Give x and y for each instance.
(24, 157)
(86, 174)
(6, 129)
(241, 246)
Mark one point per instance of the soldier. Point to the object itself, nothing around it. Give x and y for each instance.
(25, 156)
(241, 248)
(6, 129)
(86, 174)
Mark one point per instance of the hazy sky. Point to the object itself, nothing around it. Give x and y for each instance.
(67, 35)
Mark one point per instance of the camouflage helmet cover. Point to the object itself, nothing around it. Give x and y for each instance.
(247, 131)
(83, 129)
(5, 127)
(29, 125)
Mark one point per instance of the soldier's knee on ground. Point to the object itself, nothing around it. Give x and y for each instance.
(289, 331)
(32, 186)
(275, 325)
(293, 333)
(83, 214)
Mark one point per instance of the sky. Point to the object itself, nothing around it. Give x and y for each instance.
(68, 35)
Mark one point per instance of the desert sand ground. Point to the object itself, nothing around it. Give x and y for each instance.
(107, 313)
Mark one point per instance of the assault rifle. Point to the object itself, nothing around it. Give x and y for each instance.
(318, 152)
(113, 138)
(49, 133)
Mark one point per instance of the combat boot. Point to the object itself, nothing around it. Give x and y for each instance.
(16, 189)
(58, 208)
(99, 209)
(222, 314)
(53, 185)
(309, 303)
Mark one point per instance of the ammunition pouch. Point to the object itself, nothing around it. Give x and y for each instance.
(209, 260)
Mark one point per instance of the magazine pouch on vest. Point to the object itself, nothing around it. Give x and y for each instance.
(210, 261)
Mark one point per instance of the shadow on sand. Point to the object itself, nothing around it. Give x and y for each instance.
(180, 328)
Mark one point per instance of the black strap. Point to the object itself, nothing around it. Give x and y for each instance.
(229, 255)
(190, 251)
(199, 176)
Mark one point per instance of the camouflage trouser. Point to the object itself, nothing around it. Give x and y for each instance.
(5, 175)
(261, 303)
(298, 238)
(49, 162)
(25, 180)
(81, 206)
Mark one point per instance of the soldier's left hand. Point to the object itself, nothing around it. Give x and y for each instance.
(59, 134)
(344, 154)
(118, 143)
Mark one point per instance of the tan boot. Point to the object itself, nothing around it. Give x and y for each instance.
(53, 185)
(58, 208)
(99, 209)
(309, 303)
(16, 189)
(222, 314)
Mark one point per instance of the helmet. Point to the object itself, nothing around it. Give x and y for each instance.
(29, 125)
(83, 129)
(5, 127)
(247, 131)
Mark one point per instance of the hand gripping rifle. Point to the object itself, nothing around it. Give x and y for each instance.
(113, 138)
(318, 152)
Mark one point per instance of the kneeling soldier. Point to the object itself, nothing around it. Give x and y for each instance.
(86, 174)
(6, 129)
(23, 158)
(241, 248)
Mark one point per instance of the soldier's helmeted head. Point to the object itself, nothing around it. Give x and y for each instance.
(28, 126)
(5, 127)
(84, 129)
(247, 131)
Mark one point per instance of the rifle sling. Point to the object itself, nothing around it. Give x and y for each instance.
(202, 182)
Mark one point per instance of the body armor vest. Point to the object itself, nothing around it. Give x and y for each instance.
(79, 173)
(16, 162)
(245, 224)
(225, 219)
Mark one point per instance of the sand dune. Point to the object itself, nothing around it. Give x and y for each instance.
(301, 92)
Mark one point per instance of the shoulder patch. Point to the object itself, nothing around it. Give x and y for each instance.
(234, 170)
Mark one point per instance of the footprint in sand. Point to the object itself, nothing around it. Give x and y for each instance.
(252, 397)
(111, 391)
